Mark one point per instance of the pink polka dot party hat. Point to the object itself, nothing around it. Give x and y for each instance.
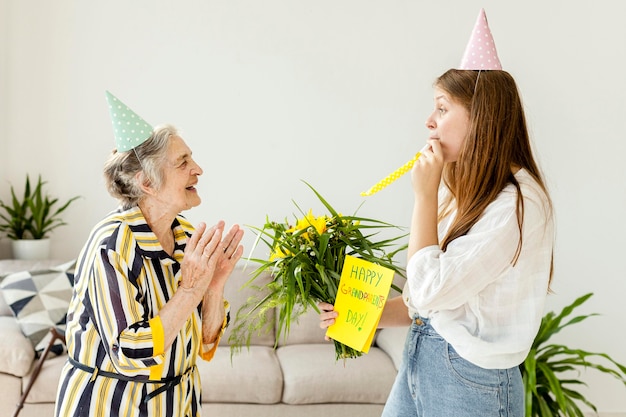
(480, 52)
(480, 55)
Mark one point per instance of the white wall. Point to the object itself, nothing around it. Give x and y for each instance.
(332, 92)
(3, 98)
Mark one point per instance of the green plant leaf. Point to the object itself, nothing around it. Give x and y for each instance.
(305, 261)
(32, 216)
(547, 393)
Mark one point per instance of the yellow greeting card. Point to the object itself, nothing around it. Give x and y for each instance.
(362, 294)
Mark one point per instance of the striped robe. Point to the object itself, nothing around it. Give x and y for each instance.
(123, 278)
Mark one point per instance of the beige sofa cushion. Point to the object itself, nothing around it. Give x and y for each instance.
(305, 329)
(44, 390)
(392, 341)
(253, 376)
(237, 296)
(11, 392)
(16, 352)
(367, 379)
(5, 311)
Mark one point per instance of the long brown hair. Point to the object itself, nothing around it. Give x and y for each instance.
(497, 140)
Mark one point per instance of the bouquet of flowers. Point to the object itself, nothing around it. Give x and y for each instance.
(305, 262)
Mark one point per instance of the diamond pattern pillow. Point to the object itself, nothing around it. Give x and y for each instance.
(39, 301)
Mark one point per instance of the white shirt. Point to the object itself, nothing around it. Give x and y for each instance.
(486, 308)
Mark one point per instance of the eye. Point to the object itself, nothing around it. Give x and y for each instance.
(442, 110)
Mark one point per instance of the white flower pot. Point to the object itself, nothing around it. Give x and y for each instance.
(31, 248)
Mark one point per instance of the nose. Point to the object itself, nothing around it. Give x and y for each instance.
(430, 122)
(196, 169)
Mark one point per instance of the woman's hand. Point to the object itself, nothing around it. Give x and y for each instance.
(327, 316)
(209, 259)
(426, 177)
(229, 253)
(202, 255)
(426, 172)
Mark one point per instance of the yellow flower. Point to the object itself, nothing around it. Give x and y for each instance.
(277, 253)
(319, 223)
(306, 256)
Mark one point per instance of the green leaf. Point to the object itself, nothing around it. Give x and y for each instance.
(306, 258)
(33, 216)
(547, 392)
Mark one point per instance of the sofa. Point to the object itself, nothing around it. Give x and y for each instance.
(297, 377)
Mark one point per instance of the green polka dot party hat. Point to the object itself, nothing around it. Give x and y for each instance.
(129, 129)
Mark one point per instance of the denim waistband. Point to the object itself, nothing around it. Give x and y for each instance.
(423, 325)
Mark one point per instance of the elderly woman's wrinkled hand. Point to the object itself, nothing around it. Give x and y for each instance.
(202, 255)
(228, 254)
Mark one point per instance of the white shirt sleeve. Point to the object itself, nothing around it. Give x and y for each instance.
(446, 280)
(485, 305)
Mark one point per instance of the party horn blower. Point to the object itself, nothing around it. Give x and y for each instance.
(394, 175)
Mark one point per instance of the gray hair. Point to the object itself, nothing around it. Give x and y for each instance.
(121, 169)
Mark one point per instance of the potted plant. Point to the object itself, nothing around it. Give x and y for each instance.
(28, 221)
(550, 387)
(306, 260)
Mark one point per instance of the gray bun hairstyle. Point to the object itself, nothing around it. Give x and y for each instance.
(147, 160)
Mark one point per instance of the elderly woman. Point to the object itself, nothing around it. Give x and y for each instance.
(149, 288)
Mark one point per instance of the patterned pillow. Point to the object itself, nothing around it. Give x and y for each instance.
(39, 301)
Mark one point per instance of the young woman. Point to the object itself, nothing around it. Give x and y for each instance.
(479, 257)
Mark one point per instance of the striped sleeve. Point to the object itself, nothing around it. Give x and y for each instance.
(124, 324)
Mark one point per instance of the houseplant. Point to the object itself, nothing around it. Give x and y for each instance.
(305, 260)
(30, 220)
(549, 371)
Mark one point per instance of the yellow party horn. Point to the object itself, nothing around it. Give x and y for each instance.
(394, 175)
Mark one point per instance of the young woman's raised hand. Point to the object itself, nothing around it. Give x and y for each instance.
(426, 172)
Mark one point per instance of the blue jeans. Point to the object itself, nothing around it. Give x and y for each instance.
(434, 381)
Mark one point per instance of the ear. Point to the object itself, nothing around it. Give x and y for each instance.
(144, 183)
